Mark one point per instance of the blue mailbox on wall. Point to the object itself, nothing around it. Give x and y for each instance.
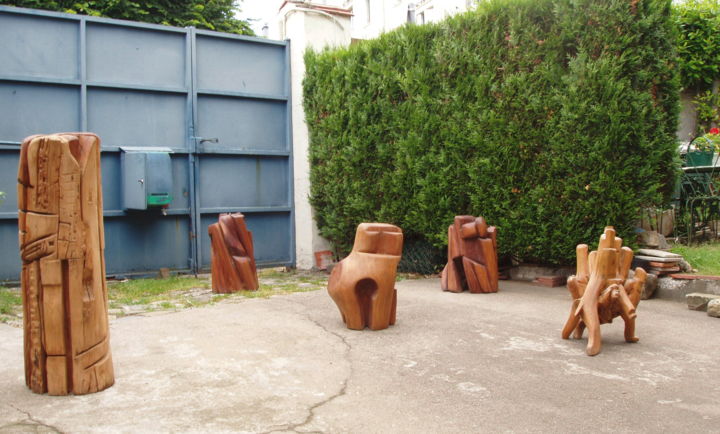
(147, 180)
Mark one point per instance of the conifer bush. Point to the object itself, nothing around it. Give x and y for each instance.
(550, 118)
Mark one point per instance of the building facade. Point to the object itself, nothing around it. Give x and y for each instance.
(374, 17)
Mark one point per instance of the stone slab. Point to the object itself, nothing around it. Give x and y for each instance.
(694, 277)
(699, 301)
(659, 259)
(551, 281)
(658, 253)
(657, 264)
(530, 272)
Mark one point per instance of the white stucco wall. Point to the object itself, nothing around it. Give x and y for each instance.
(306, 29)
(688, 117)
(374, 17)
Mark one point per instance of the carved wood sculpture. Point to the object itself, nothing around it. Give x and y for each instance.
(602, 291)
(233, 259)
(363, 284)
(63, 267)
(472, 256)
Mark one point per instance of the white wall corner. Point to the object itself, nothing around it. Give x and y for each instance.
(307, 26)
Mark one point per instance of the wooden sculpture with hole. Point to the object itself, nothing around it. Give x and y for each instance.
(602, 291)
(64, 293)
(363, 284)
(233, 259)
(472, 256)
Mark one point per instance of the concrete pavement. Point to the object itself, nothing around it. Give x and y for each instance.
(452, 363)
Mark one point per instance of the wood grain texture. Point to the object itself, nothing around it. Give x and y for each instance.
(601, 291)
(472, 256)
(63, 268)
(363, 284)
(232, 255)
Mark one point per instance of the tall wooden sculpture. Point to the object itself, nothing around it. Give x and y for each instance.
(233, 259)
(472, 256)
(63, 267)
(601, 290)
(363, 284)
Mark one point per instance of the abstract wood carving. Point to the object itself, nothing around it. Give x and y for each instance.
(63, 267)
(363, 284)
(602, 291)
(472, 256)
(233, 259)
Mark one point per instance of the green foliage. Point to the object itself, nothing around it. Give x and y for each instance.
(698, 42)
(204, 14)
(707, 103)
(550, 118)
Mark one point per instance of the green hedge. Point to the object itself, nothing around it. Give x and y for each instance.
(550, 118)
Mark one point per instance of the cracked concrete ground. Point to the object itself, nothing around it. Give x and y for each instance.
(452, 363)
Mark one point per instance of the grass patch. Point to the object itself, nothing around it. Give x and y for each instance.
(268, 290)
(184, 292)
(275, 282)
(10, 300)
(704, 257)
(178, 292)
(10, 304)
(146, 291)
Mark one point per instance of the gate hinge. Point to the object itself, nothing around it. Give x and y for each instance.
(206, 139)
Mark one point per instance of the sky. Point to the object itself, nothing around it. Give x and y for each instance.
(261, 11)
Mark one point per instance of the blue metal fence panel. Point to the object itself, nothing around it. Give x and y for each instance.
(29, 108)
(240, 120)
(255, 125)
(51, 52)
(137, 118)
(220, 102)
(271, 234)
(222, 65)
(122, 55)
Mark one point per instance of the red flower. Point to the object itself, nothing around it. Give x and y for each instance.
(714, 131)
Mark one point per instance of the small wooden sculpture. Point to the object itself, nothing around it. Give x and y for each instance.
(601, 290)
(60, 219)
(472, 256)
(233, 260)
(363, 284)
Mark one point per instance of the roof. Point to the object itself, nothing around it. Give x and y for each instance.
(332, 10)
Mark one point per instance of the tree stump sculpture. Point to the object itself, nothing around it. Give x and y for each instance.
(363, 284)
(602, 291)
(472, 256)
(233, 259)
(63, 267)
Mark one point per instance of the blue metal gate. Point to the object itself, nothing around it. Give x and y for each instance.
(220, 102)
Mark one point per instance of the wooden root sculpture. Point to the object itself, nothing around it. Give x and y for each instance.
(233, 259)
(363, 284)
(602, 291)
(63, 267)
(472, 256)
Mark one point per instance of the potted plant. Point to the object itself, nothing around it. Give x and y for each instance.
(703, 148)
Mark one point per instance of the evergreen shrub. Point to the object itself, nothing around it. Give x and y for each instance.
(550, 118)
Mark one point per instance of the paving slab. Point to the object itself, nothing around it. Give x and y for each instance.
(452, 363)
